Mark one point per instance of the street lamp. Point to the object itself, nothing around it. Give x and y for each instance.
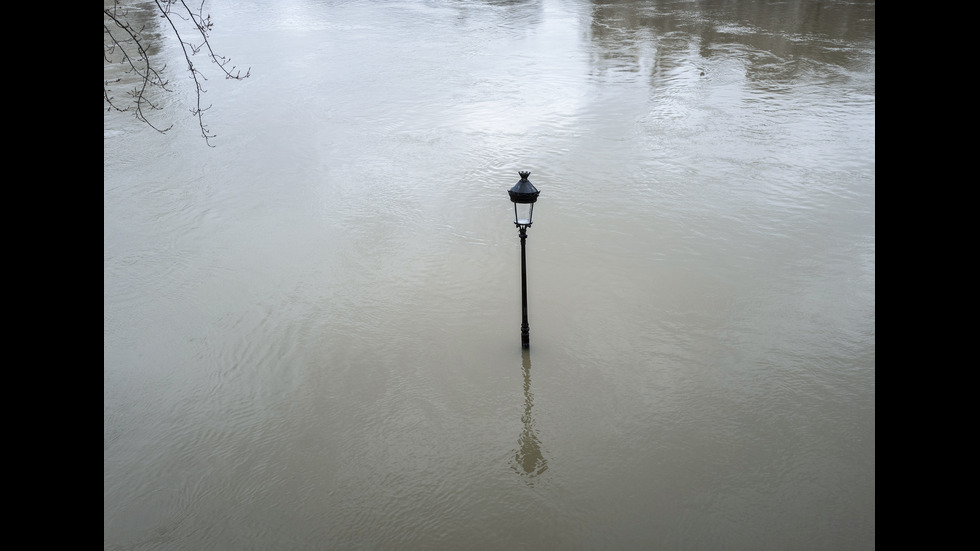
(523, 194)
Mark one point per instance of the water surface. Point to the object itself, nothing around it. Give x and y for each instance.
(312, 330)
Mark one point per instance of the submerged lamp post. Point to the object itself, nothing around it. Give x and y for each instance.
(523, 194)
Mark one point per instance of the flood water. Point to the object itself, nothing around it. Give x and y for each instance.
(312, 330)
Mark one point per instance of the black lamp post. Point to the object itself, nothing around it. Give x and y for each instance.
(523, 194)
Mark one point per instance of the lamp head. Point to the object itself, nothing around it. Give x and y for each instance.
(523, 195)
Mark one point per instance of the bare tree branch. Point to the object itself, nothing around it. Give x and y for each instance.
(128, 48)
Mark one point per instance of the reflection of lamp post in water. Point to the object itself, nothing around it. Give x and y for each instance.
(529, 461)
(523, 194)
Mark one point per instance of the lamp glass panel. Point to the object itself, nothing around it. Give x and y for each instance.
(522, 213)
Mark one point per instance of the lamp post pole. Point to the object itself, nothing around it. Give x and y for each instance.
(525, 328)
(523, 195)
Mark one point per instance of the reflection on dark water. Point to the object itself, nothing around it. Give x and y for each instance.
(660, 36)
(529, 460)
